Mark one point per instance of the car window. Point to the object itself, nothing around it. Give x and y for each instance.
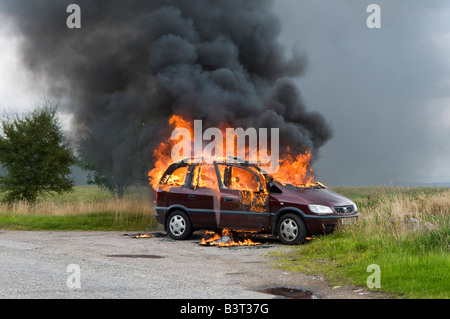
(241, 179)
(237, 178)
(178, 177)
(204, 176)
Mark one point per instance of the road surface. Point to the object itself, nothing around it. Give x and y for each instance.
(113, 265)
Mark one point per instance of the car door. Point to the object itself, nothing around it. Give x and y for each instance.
(201, 196)
(244, 202)
(171, 188)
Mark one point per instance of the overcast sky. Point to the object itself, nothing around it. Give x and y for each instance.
(385, 91)
(17, 89)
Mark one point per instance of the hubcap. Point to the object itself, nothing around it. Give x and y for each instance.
(289, 229)
(177, 225)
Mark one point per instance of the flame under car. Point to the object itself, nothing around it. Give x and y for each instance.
(239, 196)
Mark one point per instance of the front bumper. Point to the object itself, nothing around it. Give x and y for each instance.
(317, 224)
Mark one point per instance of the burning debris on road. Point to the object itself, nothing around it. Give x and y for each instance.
(147, 235)
(228, 239)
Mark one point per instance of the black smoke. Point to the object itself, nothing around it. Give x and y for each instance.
(135, 63)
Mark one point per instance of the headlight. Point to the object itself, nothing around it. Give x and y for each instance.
(320, 209)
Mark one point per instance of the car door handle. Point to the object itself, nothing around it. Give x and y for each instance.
(228, 199)
(191, 196)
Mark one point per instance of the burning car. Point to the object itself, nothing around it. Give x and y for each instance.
(222, 195)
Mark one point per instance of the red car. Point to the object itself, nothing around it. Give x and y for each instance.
(240, 196)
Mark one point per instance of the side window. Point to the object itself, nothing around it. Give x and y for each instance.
(237, 178)
(242, 179)
(177, 178)
(204, 176)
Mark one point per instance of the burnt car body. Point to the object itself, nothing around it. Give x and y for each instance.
(263, 205)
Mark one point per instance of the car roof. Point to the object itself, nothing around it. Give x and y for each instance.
(229, 160)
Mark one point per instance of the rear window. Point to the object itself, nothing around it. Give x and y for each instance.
(177, 178)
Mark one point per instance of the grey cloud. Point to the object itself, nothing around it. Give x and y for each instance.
(135, 63)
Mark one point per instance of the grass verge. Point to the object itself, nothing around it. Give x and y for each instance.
(405, 232)
(99, 221)
(87, 208)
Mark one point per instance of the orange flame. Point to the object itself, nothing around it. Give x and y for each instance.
(162, 154)
(293, 169)
(216, 240)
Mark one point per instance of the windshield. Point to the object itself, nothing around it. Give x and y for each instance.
(317, 185)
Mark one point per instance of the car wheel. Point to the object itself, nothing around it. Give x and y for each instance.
(291, 229)
(179, 226)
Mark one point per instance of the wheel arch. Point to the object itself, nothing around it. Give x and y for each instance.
(173, 208)
(287, 210)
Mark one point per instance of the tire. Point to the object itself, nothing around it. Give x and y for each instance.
(178, 225)
(291, 229)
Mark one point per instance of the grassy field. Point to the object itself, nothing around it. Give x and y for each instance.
(86, 208)
(405, 231)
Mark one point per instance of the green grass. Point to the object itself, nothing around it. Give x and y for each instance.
(96, 194)
(414, 262)
(80, 193)
(368, 196)
(101, 221)
(87, 208)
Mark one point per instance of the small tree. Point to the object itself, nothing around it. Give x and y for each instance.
(34, 156)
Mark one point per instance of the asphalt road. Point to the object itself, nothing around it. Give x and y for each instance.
(96, 265)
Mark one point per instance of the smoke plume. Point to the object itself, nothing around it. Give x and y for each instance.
(135, 63)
